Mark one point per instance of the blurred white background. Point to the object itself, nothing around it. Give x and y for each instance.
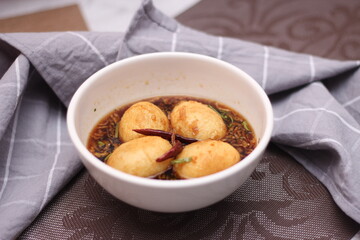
(100, 15)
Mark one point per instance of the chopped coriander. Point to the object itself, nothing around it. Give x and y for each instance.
(213, 109)
(101, 144)
(107, 157)
(181, 160)
(117, 130)
(224, 115)
(246, 126)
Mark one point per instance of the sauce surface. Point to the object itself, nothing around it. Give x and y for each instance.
(104, 137)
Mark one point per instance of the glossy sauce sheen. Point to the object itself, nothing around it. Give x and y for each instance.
(104, 137)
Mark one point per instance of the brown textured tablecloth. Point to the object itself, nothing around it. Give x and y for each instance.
(290, 203)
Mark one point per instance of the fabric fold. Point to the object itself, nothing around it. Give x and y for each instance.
(12, 89)
(66, 59)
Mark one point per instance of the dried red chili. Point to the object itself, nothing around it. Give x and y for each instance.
(173, 152)
(165, 135)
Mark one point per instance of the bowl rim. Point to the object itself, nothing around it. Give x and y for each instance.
(147, 182)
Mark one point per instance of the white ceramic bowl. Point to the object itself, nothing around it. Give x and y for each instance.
(164, 74)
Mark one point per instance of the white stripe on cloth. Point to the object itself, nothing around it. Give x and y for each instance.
(13, 130)
(18, 202)
(220, 48)
(265, 69)
(354, 129)
(315, 123)
(17, 70)
(174, 40)
(323, 140)
(351, 101)
(317, 141)
(22, 177)
(56, 157)
(49, 40)
(30, 176)
(312, 68)
(7, 85)
(42, 142)
(10, 152)
(95, 50)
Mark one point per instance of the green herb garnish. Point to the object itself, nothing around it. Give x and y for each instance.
(117, 130)
(246, 126)
(181, 160)
(107, 157)
(224, 115)
(213, 109)
(101, 144)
